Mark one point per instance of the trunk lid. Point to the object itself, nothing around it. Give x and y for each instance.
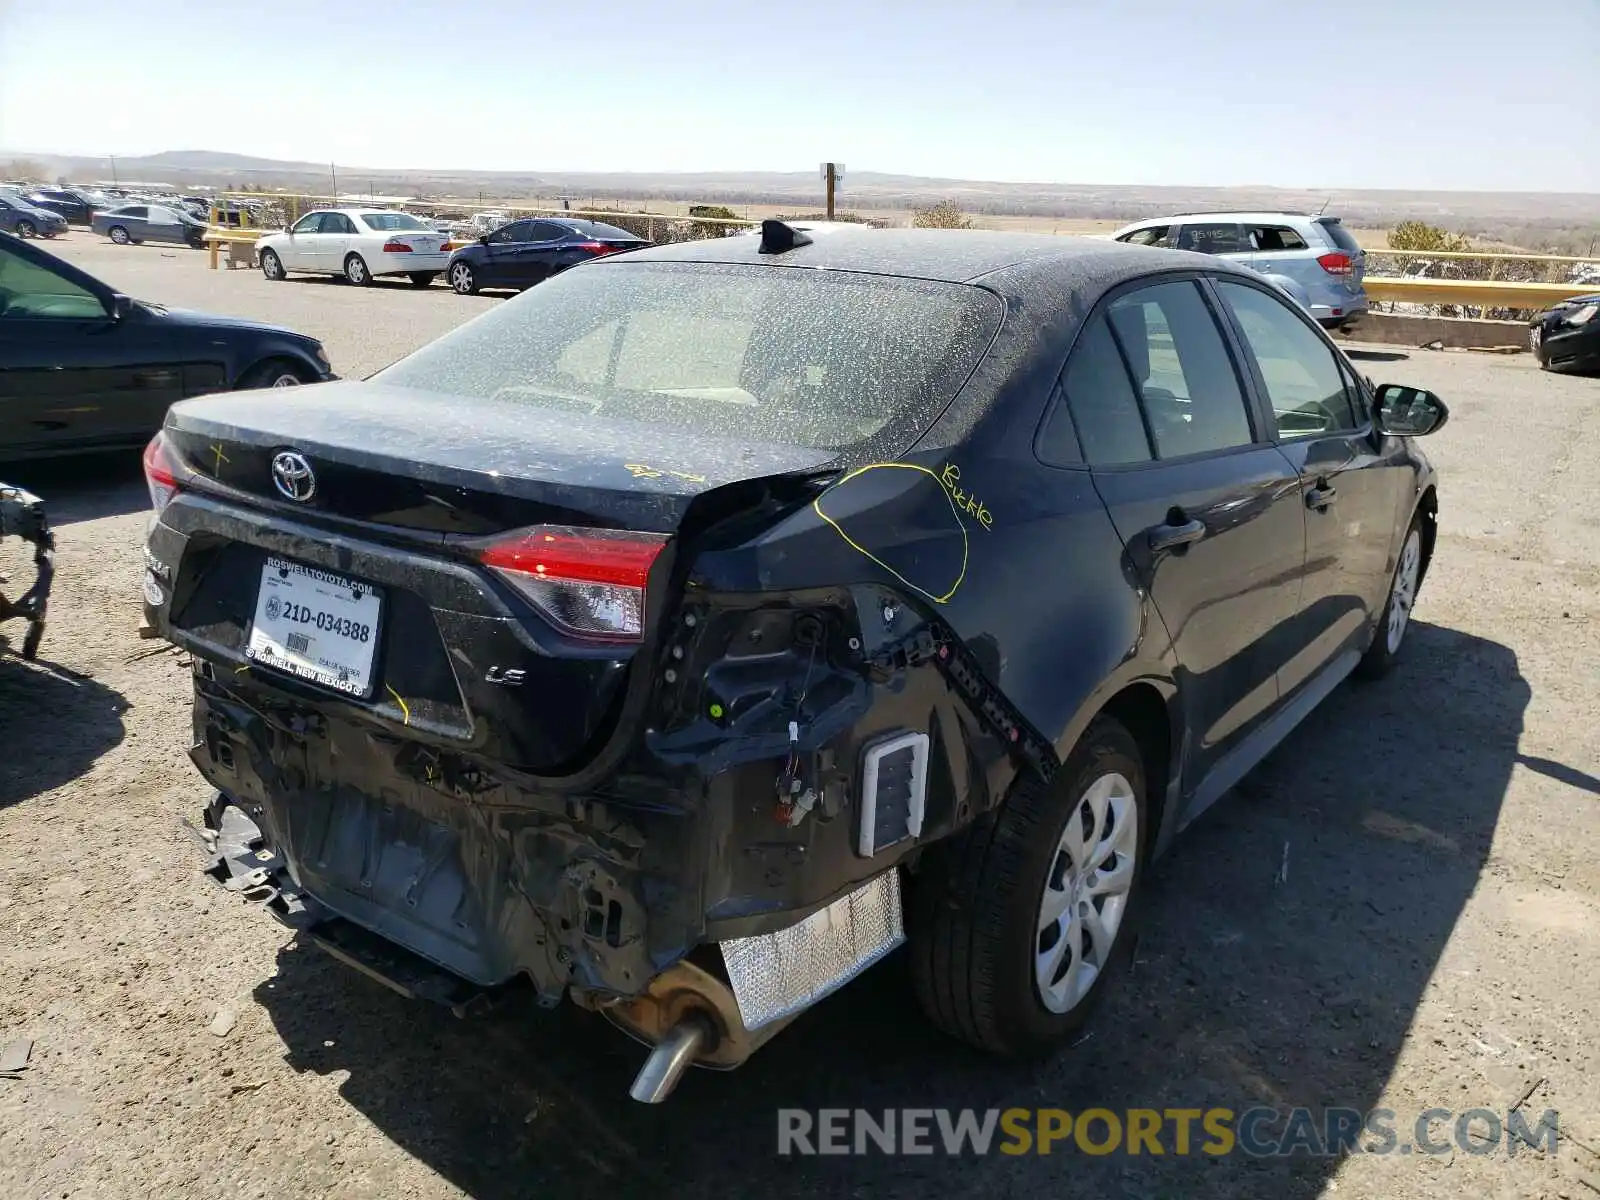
(458, 465)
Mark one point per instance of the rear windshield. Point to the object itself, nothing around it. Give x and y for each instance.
(387, 221)
(824, 359)
(601, 229)
(1340, 235)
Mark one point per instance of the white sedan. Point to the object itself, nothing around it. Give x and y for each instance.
(357, 243)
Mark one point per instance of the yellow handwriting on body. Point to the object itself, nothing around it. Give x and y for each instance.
(964, 501)
(642, 471)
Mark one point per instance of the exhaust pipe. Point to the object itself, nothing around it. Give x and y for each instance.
(667, 1063)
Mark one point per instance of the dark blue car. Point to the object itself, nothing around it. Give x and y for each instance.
(527, 252)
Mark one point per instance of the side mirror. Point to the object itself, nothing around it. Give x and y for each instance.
(121, 306)
(1401, 411)
(483, 239)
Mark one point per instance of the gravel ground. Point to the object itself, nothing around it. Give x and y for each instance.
(1435, 943)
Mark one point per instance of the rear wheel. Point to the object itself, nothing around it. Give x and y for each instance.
(119, 235)
(422, 279)
(274, 373)
(356, 270)
(27, 229)
(462, 279)
(1020, 922)
(272, 266)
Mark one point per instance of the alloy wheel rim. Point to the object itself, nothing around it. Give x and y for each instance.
(1405, 590)
(25, 229)
(356, 271)
(270, 265)
(461, 277)
(286, 380)
(1086, 892)
(119, 235)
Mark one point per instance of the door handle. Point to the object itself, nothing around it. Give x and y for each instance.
(1321, 497)
(1171, 535)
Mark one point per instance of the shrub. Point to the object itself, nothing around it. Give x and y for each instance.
(944, 215)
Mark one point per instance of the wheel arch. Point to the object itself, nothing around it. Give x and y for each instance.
(282, 354)
(1428, 510)
(1150, 715)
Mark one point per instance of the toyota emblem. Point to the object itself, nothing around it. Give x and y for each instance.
(292, 475)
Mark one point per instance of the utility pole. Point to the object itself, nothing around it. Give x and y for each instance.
(831, 174)
(113, 158)
(333, 176)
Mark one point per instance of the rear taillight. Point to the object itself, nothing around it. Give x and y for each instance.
(160, 472)
(588, 582)
(595, 247)
(396, 248)
(1336, 264)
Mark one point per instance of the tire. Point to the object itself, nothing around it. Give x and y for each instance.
(978, 916)
(272, 267)
(357, 271)
(422, 279)
(1388, 639)
(27, 229)
(119, 235)
(462, 279)
(274, 373)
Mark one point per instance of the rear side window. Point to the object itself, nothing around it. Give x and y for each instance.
(1104, 407)
(548, 231)
(1211, 238)
(824, 359)
(337, 223)
(1273, 237)
(1181, 370)
(1307, 388)
(138, 210)
(1156, 235)
(1340, 236)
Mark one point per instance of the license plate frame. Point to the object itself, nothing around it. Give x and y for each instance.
(319, 595)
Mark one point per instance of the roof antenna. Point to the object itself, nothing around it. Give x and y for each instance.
(1324, 207)
(778, 238)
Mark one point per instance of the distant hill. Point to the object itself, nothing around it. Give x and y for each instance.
(1522, 217)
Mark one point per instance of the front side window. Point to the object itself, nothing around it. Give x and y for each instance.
(1308, 390)
(823, 359)
(517, 231)
(1156, 235)
(28, 289)
(1181, 370)
(311, 223)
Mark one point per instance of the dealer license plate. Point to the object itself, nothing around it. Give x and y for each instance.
(316, 626)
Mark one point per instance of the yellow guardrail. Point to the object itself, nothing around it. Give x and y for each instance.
(1476, 293)
(1479, 255)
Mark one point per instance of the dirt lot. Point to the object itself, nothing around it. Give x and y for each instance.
(1436, 941)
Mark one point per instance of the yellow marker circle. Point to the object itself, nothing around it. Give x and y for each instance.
(862, 550)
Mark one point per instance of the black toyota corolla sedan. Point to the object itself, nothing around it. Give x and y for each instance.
(766, 603)
(83, 367)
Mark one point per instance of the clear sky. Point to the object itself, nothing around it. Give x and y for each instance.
(1415, 94)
